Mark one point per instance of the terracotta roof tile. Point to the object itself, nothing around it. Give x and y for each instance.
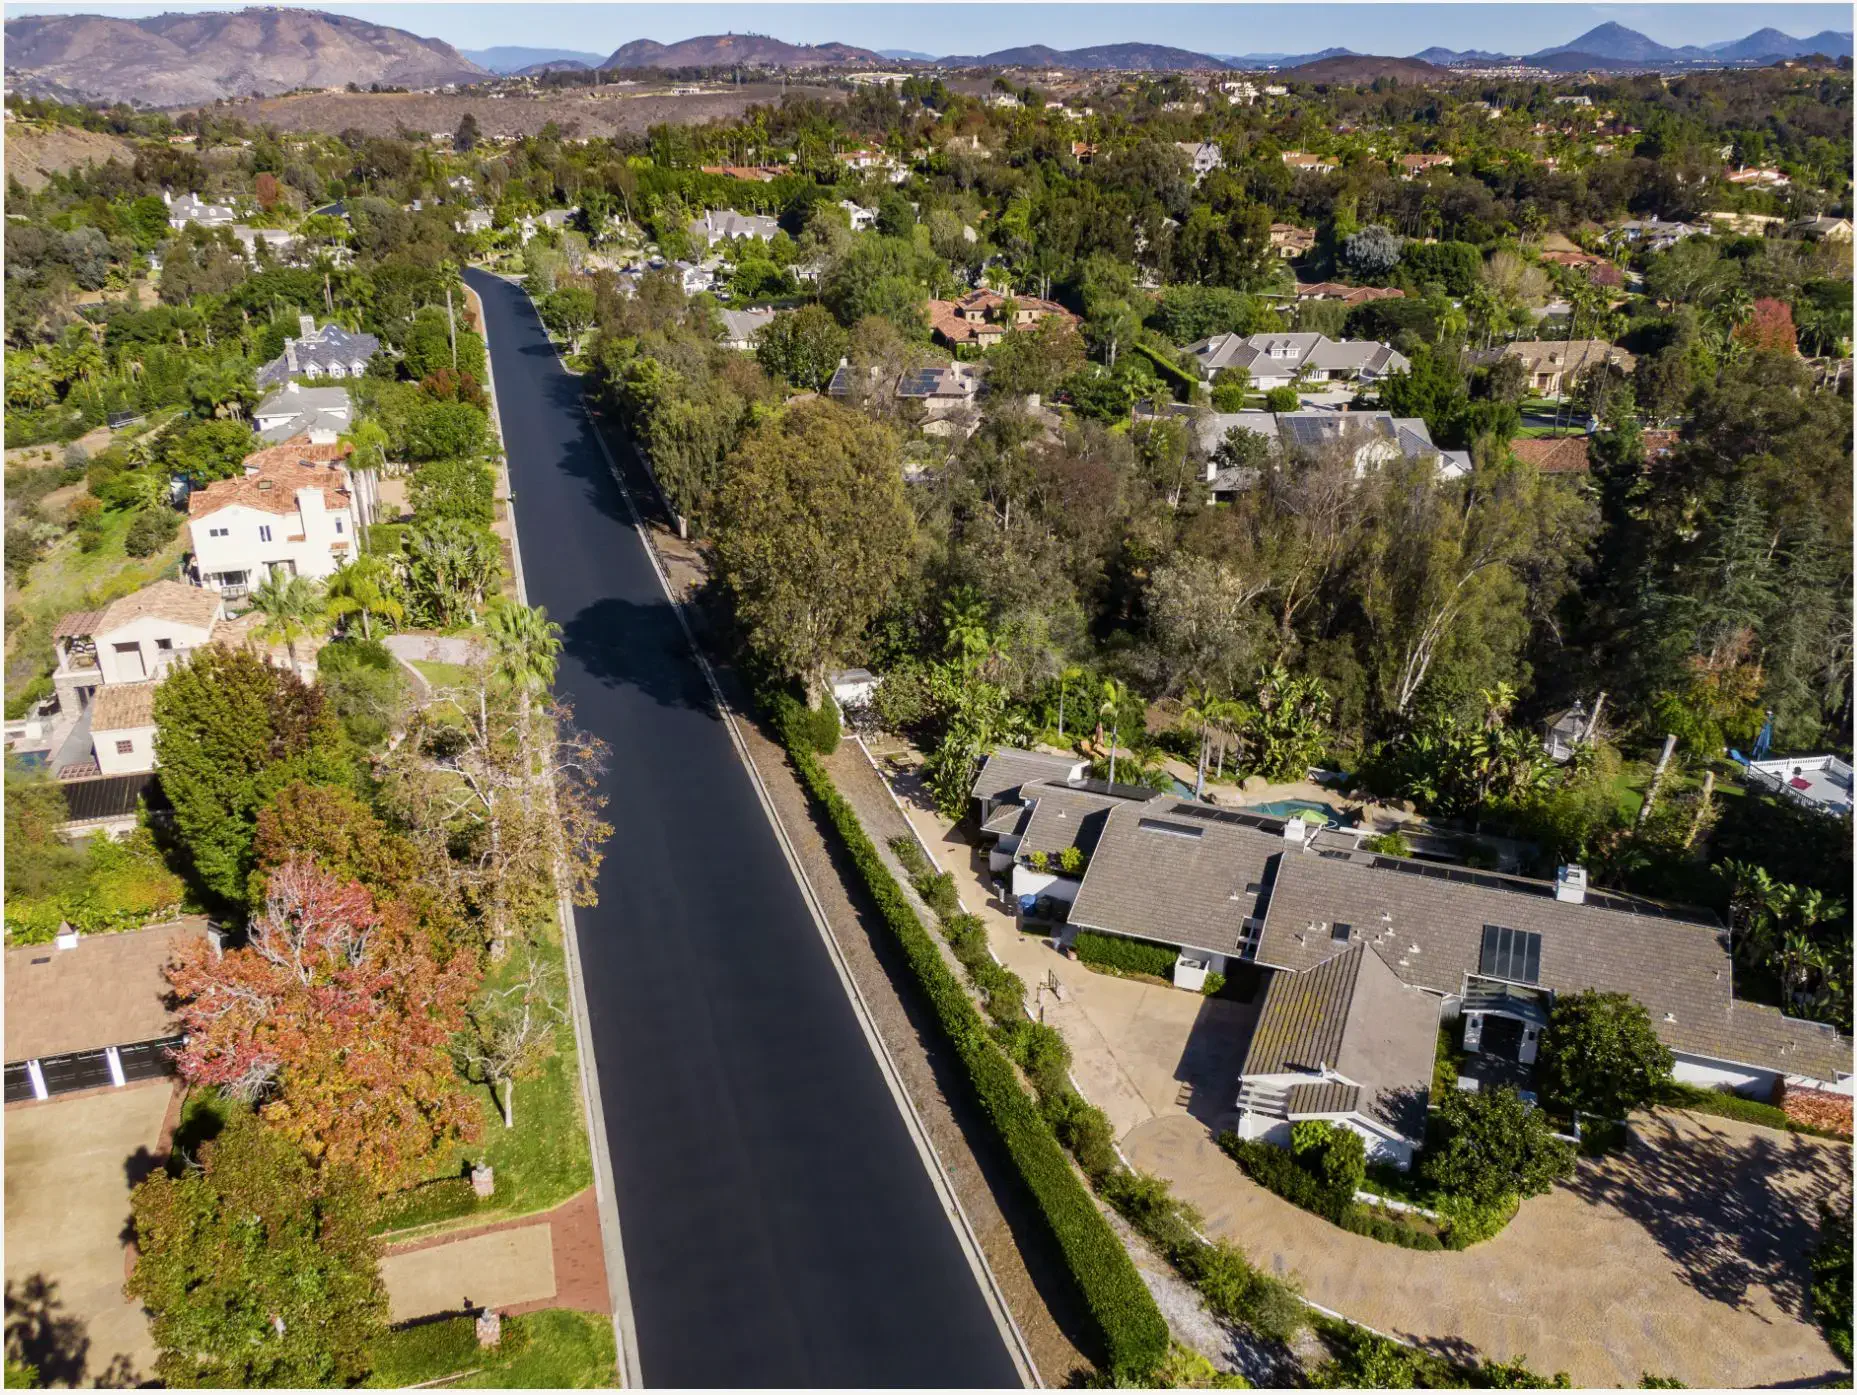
(122, 706)
(170, 600)
(273, 487)
(1553, 455)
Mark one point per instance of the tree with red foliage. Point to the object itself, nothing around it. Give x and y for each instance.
(267, 191)
(1768, 326)
(338, 1019)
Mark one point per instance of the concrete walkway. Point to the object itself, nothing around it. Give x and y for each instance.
(432, 649)
(1682, 1257)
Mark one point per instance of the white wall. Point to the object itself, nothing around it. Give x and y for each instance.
(140, 756)
(1028, 882)
(144, 631)
(242, 548)
(1716, 1075)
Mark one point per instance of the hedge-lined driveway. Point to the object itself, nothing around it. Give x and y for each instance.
(1684, 1256)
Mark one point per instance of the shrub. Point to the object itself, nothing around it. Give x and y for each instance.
(1134, 1332)
(1493, 1144)
(1282, 399)
(1070, 861)
(1728, 1105)
(1115, 954)
(1601, 1055)
(821, 727)
(1394, 844)
(443, 1200)
(429, 1351)
(1040, 861)
(150, 531)
(1831, 1276)
(1214, 984)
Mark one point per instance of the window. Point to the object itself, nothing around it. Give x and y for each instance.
(338, 527)
(217, 532)
(264, 532)
(1511, 954)
(1339, 932)
(125, 748)
(165, 645)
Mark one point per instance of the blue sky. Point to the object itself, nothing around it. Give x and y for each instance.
(972, 26)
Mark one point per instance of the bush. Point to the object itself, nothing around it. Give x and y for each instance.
(1601, 1055)
(1214, 984)
(444, 1200)
(1493, 1144)
(1831, 1276)
(1728, 1105)
(429, 1351)
(1282, 399)
(1134, 1332)
(822, 727)
(1114, 954)
(1393, 844)
(150, 531)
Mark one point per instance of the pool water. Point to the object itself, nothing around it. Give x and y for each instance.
(1291, 808)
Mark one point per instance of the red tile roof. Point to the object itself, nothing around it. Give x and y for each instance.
(277, 475)
(1553, 455)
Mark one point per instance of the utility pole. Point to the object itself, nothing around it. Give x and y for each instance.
(1657, 779)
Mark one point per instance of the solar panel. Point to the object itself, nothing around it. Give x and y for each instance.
(921, 383)
(1236, 817)
(1178, 830)
(1511, 954)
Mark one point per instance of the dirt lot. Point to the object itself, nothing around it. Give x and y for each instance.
(604, 111)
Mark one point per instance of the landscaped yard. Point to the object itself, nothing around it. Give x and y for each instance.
(556, 1349)
(443, 675)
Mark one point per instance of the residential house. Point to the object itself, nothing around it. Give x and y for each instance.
(1082, 151)
(1555, 365)
(1573, 101)
(1305, 163)
(1203, 156)
(1278, 359)
(319, 413)
(190, 208)
(739, 327)
(1553, 455)
(866, 159)
(696, 277)
(981, 316)
(720, 225)
(862, 219)
(1597, 270)
(1290, 242)
(1655, 233)
(946, 393)
(295, 509)
(1412, 166)
(328, 352)
(1822, 229)
(1030, 839)
(478, 220)
(1758, 178)
(1375, 439)
(1005, 771)
(1822, 783)
(1347, 295)
(277, 240)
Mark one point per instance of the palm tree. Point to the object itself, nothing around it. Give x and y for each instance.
(1203, 708)
(1064, 680)
(524, 646)
(1109, 710)
(292, 608)
(366, 587)
(965, 618)
(146, 488)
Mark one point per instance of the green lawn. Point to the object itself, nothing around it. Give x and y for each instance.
(442, 675)
(555, 1349)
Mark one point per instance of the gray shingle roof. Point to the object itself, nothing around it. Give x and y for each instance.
(1429, 928)
(1186, 881)
(1353, 1016)
(1322, 1097)
(327, 348)
(1006, 769)
(1071, 815)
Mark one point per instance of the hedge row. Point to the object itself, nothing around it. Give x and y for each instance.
(1125, 956)
(1277, 1170)
(1728, 1105)
(443, 1200)
(429, 1351)
(1134, 1332)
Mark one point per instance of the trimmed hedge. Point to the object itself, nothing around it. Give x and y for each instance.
(1134, 1332)
(430, 1351)
(1727, 1105)
(443, 1200)
(1118, 955)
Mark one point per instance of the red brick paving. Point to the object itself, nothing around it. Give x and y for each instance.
(579, 1257)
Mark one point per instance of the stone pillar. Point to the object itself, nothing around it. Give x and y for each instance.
(483, 1181)
(489, 1328)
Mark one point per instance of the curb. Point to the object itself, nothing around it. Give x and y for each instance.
(625, 1328)
(1009, 1329)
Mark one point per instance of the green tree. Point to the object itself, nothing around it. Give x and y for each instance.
(1492, 1145)
(291, 609)
(365, 587)
(803, 346)
(1282, 399)
(229, 731)
(524, 646)
(813, 534)
(204, 451)
(1601, 1055)
(257, 1269)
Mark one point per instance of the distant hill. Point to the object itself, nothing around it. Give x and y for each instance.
(1771, 43)
(749, 50)
(513, 58)
(1153, 58)
(908, 55)
(1362, 68)
(185, 59)
(1444, 57)
(1282, 60)
(555, 65)
(1617, 44)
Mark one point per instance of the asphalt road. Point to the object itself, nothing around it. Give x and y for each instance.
(778, 1224)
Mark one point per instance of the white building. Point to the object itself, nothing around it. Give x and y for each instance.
(190, 208)
(717, 226)
(320, 413)
(295, 510)
(1279, 359)
(478, 220)
(329, 352)
(739, 327)
(862, 218)
(1203, 155)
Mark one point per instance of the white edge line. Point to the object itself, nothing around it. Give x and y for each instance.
(1015, 1341)
(605, 1191)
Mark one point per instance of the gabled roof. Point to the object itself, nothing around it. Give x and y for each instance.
(1072, 814)
(109, 991)
(1007, 769)
(277, 474)
(123, 706)
(1568, 355)
(169, 600)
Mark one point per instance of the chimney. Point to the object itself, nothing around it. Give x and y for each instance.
(306, 326)
(1570, 884)
(290, 355)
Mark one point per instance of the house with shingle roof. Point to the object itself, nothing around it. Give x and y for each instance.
(191, 208)
(718, 225)
(1052, 822)
(1553, 455)
(320, 413)
(1290, 242)
(1374, 438)
(1279, 359)
(329, 352)
(1555, 365)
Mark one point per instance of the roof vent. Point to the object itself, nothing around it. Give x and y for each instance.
(1570, 884)
(266, 484)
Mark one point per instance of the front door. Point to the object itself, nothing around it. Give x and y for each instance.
(1502, 1036)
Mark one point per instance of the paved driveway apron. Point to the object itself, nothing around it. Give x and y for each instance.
(779, 1227)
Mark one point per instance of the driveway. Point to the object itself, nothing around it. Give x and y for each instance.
(1684, 1256)
(779, 1225)
(68, 1168)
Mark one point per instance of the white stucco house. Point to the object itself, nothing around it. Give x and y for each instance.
(295, 510)
(191, 208)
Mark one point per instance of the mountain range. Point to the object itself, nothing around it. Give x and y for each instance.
(188, 59)
(513, 58)
(183, 59)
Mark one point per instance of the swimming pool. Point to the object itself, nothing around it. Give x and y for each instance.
(1293, 808)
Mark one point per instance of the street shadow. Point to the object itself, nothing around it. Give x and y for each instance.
(1735, 1214)
(55, 1343)
(622, 644)
(1213, 1057)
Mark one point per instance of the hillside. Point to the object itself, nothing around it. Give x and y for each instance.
(1361, 68)
(749, 50)
(1154, 58)
(514, 58)
(35, 152)
(183, 59)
